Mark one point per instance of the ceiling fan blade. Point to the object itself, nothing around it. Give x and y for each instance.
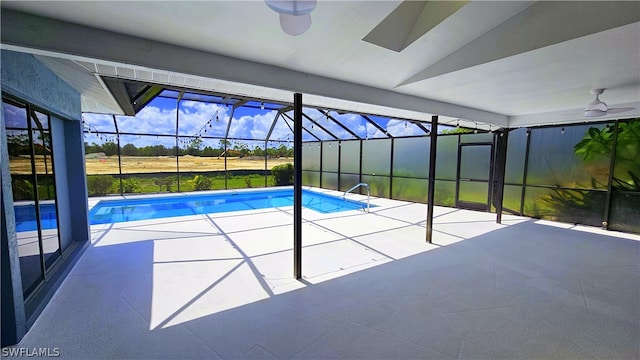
(619, 110)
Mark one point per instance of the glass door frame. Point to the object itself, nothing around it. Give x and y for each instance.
(472, 205)
(31, 117)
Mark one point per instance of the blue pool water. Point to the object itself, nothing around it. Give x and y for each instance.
(26, 217)
(112, 211)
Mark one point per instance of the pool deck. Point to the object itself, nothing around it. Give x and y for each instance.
(221, 286)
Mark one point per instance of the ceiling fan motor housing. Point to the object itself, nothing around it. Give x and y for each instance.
(596, 107)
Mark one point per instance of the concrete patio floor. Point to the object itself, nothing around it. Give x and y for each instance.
(220, 286)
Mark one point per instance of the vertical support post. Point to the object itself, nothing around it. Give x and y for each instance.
(321, 145)
(177, 141)
(265, 163)
(297, 186)
(391, 169)
(432, 177)
(612, 164)
(339, 163)
(177, 153)
(501, 162)
(458, 164)
(226, 136)
(226, 177)
(115, 124)
(524, 173)
(360, 163)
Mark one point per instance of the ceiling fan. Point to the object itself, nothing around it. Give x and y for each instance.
(599, 108)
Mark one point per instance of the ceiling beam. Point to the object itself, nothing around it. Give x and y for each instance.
(326, 113)
(120, 93)
(542, 24)
(46, 36)
(375, 124)
(320, 126)
(410, 21)
(303, 128)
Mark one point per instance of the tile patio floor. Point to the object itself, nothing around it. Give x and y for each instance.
(220, 286)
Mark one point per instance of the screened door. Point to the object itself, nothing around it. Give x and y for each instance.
(475, 172)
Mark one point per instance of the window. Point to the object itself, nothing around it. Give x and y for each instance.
(31, 163)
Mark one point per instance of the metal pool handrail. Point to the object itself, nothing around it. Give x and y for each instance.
(355, 187)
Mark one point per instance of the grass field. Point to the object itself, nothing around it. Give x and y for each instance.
(148, 185)
(153, 164)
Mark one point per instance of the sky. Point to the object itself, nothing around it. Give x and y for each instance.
(197, 118)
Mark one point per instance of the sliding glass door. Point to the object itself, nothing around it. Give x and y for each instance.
(34, 192)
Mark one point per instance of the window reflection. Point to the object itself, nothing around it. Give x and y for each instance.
(31, 165)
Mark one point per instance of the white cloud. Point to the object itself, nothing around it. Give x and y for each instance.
(252, 126)
(99, 122)
(195, 114)
(354, 122)
(403, 128)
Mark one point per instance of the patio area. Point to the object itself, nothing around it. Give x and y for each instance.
(221, 286)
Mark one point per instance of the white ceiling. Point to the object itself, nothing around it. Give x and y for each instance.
(508, 63)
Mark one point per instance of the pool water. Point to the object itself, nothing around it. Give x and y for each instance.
(112, 211)
(26, 217)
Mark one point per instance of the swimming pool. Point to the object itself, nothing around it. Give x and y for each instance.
(112, 211)
(121, 210)
(26, 217)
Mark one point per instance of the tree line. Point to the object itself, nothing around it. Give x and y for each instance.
(194, 148)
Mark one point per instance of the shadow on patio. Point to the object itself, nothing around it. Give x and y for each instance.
(220, 286)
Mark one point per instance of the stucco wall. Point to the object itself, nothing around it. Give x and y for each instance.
(27, 78)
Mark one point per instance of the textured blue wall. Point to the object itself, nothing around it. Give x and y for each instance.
(27, 78)
(76, 180)
(14, 323)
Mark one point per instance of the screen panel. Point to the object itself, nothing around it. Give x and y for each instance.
(476, 192)
(625, 212)
(511, 198)
(400, 127)
(476, 138)
(203, 119)
(626, 172)
(157, 118)
(410, 189)
(311, 156)
(566, 205)
(354, 122)
(348, 180)
(555, 160)
(147, 164)
(376, 157)
(350, 157)
(311, 178)
(445, 193)
(379, 185)
(330, 156)
(516, 152)
(328, 123)
(447, 157)
(625, 201)
(330, 180)
(475, 162)
(411, 157)
(98, 123)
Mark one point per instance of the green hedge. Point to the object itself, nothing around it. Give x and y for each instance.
(99, 185)
(283, 174)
